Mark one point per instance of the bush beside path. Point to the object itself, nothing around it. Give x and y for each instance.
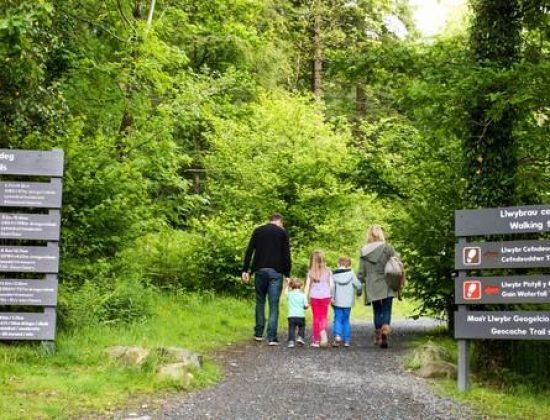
(277, 382)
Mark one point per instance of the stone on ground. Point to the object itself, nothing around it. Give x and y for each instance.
(178, 372)
(437, 369)
(130, 355)
(180, 355)
(428, 353)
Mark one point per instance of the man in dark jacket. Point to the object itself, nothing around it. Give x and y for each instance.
(270, 246)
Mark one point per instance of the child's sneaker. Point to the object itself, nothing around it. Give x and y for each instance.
(347, 344)
(324, 339)
(314, 344)
(290, 344)
(300, 341)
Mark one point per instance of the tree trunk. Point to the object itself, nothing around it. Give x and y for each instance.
(317, 51)
(490, 150)
(150, 16)
(360, 101)
(137, 13)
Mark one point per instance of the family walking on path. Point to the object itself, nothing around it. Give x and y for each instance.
(268, 257)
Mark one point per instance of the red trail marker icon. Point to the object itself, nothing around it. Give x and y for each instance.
(471, 290)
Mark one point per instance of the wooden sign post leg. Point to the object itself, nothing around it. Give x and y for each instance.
(463, 373)
(48, 346)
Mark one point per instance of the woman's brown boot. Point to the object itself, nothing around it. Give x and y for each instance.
(385, 333)
(377, 337)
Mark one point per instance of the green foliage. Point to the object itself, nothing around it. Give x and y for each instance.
(207, 258)
(103, 300)
(181, 135)
(30, 100)
(285, 158)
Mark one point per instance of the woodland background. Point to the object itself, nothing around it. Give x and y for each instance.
(186, 123)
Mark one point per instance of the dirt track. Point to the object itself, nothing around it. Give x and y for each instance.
(351, 383)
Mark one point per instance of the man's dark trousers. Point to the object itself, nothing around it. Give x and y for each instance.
(268, 282)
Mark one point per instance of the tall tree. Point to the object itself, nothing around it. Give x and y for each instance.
(490, 149)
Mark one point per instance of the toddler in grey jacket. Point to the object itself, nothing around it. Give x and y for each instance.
(345, 287)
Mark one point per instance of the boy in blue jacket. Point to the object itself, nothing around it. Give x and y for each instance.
(345, 286)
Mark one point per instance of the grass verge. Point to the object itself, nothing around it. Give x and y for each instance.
(503, 396)
(79, 378)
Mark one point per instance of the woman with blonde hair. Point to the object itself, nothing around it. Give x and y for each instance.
(374, 256)
(318, 288)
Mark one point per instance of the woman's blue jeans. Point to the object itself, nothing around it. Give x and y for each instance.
(382, 312)
(268, 283)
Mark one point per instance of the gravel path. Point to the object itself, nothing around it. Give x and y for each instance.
(346, 383)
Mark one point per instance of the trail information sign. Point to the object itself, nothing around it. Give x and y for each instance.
(31, 194)
(18, 259)
(477, 257)
(503, 325)
(27, 292)
(510, 289)
(30, 226)
(512, 254)
(37, 163)
(525, 219)
(29, 259)
(27, 326)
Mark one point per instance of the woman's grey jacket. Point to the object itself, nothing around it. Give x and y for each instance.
(344, 288)
(374, 257)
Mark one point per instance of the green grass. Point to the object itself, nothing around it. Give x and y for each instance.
(503, 396)
(79, 378)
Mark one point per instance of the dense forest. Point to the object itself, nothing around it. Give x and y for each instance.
(185, 123)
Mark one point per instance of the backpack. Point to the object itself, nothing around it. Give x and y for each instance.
(394, 273)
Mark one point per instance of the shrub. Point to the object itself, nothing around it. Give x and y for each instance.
(103, 301)
(206, 258)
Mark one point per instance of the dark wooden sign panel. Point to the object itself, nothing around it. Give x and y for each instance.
(31, 194)
(29, 292)
(510, 289)
(25, 162)
(523, 219)
(30, 226)
(29, 259)
(502, 325)
(27, 326)
(510, 254)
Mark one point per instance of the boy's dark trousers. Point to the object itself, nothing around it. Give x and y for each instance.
(294, 322)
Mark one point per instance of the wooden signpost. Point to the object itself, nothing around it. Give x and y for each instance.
(470, 289)
(19, 256)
